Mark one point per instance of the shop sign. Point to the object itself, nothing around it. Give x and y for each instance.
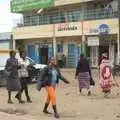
(26, 5)
(67, 27)
(102, 29)
(93, 41)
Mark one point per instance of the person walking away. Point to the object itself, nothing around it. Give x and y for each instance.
(13, 82)
(51, 77)
(24, 63)
(63, 60)
(106, 78)
(83, 74)
(59, 59)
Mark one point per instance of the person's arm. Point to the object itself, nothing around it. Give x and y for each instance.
(61, 77)
(89, 69)
(8, 66)
(77, 70)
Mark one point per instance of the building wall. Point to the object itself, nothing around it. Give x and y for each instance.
(5, 41)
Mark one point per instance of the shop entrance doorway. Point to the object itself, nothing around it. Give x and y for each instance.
(43, 53)
(103, 49)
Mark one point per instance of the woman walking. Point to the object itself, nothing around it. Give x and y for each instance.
(13, 82)
(51, 77)
(83, 74)
(106, 78)
(24, 62)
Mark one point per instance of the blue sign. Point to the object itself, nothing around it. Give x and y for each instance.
(102, 29)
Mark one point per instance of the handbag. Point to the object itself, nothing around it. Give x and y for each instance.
(23, 73)
(7, 73)
(92, 82)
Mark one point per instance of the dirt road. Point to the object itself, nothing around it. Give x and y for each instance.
(72, 106)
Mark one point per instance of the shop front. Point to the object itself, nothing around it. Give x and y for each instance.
(68, 35)
(101, 38)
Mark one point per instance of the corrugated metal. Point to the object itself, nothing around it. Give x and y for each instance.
(4, 45)
(5, 36)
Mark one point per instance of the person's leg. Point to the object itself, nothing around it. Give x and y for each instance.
(27, 93)
(9, 98)
(51, 92)
(47, 104)
(19, 94)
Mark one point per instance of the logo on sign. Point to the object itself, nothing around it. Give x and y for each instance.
(102, 29)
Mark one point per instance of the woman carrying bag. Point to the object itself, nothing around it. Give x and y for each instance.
(23, 75)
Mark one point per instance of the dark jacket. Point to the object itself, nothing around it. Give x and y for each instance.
(83, 66)
(13, 82)
(45, 78)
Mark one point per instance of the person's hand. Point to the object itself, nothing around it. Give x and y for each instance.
(67, 82)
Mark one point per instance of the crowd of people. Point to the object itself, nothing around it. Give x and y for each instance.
(17, 78)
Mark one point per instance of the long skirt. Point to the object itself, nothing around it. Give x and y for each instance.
(13, 84)
(84, 80)
(106, 85)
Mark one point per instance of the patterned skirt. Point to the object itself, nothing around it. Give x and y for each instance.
(84, 80)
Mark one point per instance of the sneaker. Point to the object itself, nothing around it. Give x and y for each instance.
(46, 112)
(89, 93)
(56, 115)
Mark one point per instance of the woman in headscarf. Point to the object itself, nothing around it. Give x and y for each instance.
(13, 82)
(106, 78)
(51, 77)
(83, 74)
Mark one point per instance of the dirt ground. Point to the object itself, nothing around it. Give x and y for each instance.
(71, 105)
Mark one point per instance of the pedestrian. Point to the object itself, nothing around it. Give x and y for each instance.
(63, 60)
(83, 74)
(51, 78)
(106, 78)
(59, 59)
(13, 82)
(24, 76)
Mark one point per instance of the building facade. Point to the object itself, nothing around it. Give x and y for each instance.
(5, 41)
(68, 26)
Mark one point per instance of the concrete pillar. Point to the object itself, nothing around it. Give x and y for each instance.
(54, 47)
(54, 42)
(83, 45)
(118, 48)
(14, 44)
(118, 35)
(112, 54)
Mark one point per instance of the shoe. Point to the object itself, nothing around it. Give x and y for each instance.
(10, 102)
(21, 101)
(18, 98)
(46, 112)
(29, 101)
(45, 109)
(89, 93)
(56, 115)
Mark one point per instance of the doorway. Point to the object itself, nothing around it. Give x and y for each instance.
(43, 53)
(94, 56)
(103, 49)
